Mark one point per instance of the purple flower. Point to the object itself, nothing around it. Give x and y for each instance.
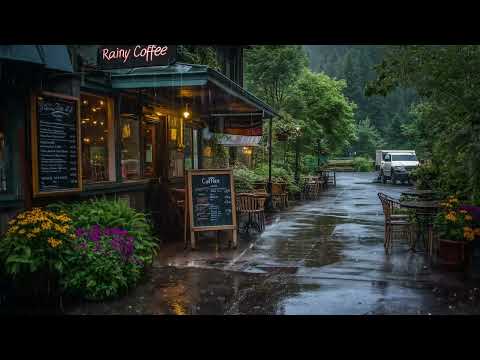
(472, 210)
(80, 232)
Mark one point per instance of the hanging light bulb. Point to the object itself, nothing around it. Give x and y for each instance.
(186, 114)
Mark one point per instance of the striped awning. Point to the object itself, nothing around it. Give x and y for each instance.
(239, 140)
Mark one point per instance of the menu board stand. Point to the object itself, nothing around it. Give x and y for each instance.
(209, 204)
(56, 164)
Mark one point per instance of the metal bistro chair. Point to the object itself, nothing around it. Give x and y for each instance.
(252, 205)
(394, 223)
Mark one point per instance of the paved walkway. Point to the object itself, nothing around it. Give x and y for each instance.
(319, 257)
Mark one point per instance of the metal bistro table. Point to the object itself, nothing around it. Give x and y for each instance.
(425, 211)
(420, 194)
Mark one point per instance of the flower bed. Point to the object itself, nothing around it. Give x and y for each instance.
(95, 250)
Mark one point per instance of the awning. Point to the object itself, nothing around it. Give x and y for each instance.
(239, 140)
(54, 57)
(194, 78)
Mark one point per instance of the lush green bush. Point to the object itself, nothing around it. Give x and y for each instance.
(105, 263)
(111, 214)
(245, 178)
(362, 164)
(280, 174)
(113, 245)
(425, 176)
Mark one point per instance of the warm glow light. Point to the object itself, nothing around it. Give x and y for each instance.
(158, 113)
(86, 140)
(94, 122)
(85, 102)
(101, 102)
(83, 121)
(186, 114)
(101, 123)
(93, 109)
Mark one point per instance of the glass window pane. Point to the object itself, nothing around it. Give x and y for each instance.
(188, 149)
(148, 149)
(176, 146)
(96, 133)
(130, 137)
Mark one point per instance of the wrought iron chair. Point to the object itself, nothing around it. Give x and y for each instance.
(394, 223)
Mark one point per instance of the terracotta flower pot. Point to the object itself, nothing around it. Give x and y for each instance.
(452, 253)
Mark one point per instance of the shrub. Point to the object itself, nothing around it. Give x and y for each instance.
(425, 176)
(104, 263)
(113, 245)
(245, 178)
(36, 241)
(362, 164)
(111, 214)
(279, 174)
(455, 223)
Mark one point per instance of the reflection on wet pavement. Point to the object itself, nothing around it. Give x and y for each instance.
(318, 257)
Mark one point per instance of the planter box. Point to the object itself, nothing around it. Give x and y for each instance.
(452, 254)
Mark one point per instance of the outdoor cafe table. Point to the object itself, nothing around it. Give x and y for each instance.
(424, 213)
(421, 194)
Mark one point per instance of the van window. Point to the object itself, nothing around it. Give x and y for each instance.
(404, 158)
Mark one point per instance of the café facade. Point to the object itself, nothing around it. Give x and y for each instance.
(78, 122)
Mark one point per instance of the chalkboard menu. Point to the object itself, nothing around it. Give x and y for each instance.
(212, 199)
(55, 144)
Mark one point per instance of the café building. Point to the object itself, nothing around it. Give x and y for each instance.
(123, 121)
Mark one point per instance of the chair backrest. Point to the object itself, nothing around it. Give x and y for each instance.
(388, 204)
(276, 188)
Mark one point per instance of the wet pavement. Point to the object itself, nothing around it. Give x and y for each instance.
(318, 257)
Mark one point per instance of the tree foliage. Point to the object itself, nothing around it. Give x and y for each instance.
(447, 120)
(311, 102)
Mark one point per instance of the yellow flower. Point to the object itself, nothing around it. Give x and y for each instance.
(21, 231)
(36, 230)
(54, 242)
(11, 222)
(46, 226)
(468, 217)
(468, 233)
(30, 235)
(451, 217)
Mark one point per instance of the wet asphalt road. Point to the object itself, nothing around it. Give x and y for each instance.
(318, 257)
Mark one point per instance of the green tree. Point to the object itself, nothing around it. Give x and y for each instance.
(272, 70)
(368, 139)
(447, 120)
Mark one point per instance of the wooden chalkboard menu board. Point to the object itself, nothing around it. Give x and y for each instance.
(55, 144)
(210, 196)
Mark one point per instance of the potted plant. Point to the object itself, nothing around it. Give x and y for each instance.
(456, 230)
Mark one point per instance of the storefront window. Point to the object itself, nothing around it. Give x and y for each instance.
(148, 149)
(130, 138)
(97, 139)
(191, 148)
(188, 148)
(176, 147)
